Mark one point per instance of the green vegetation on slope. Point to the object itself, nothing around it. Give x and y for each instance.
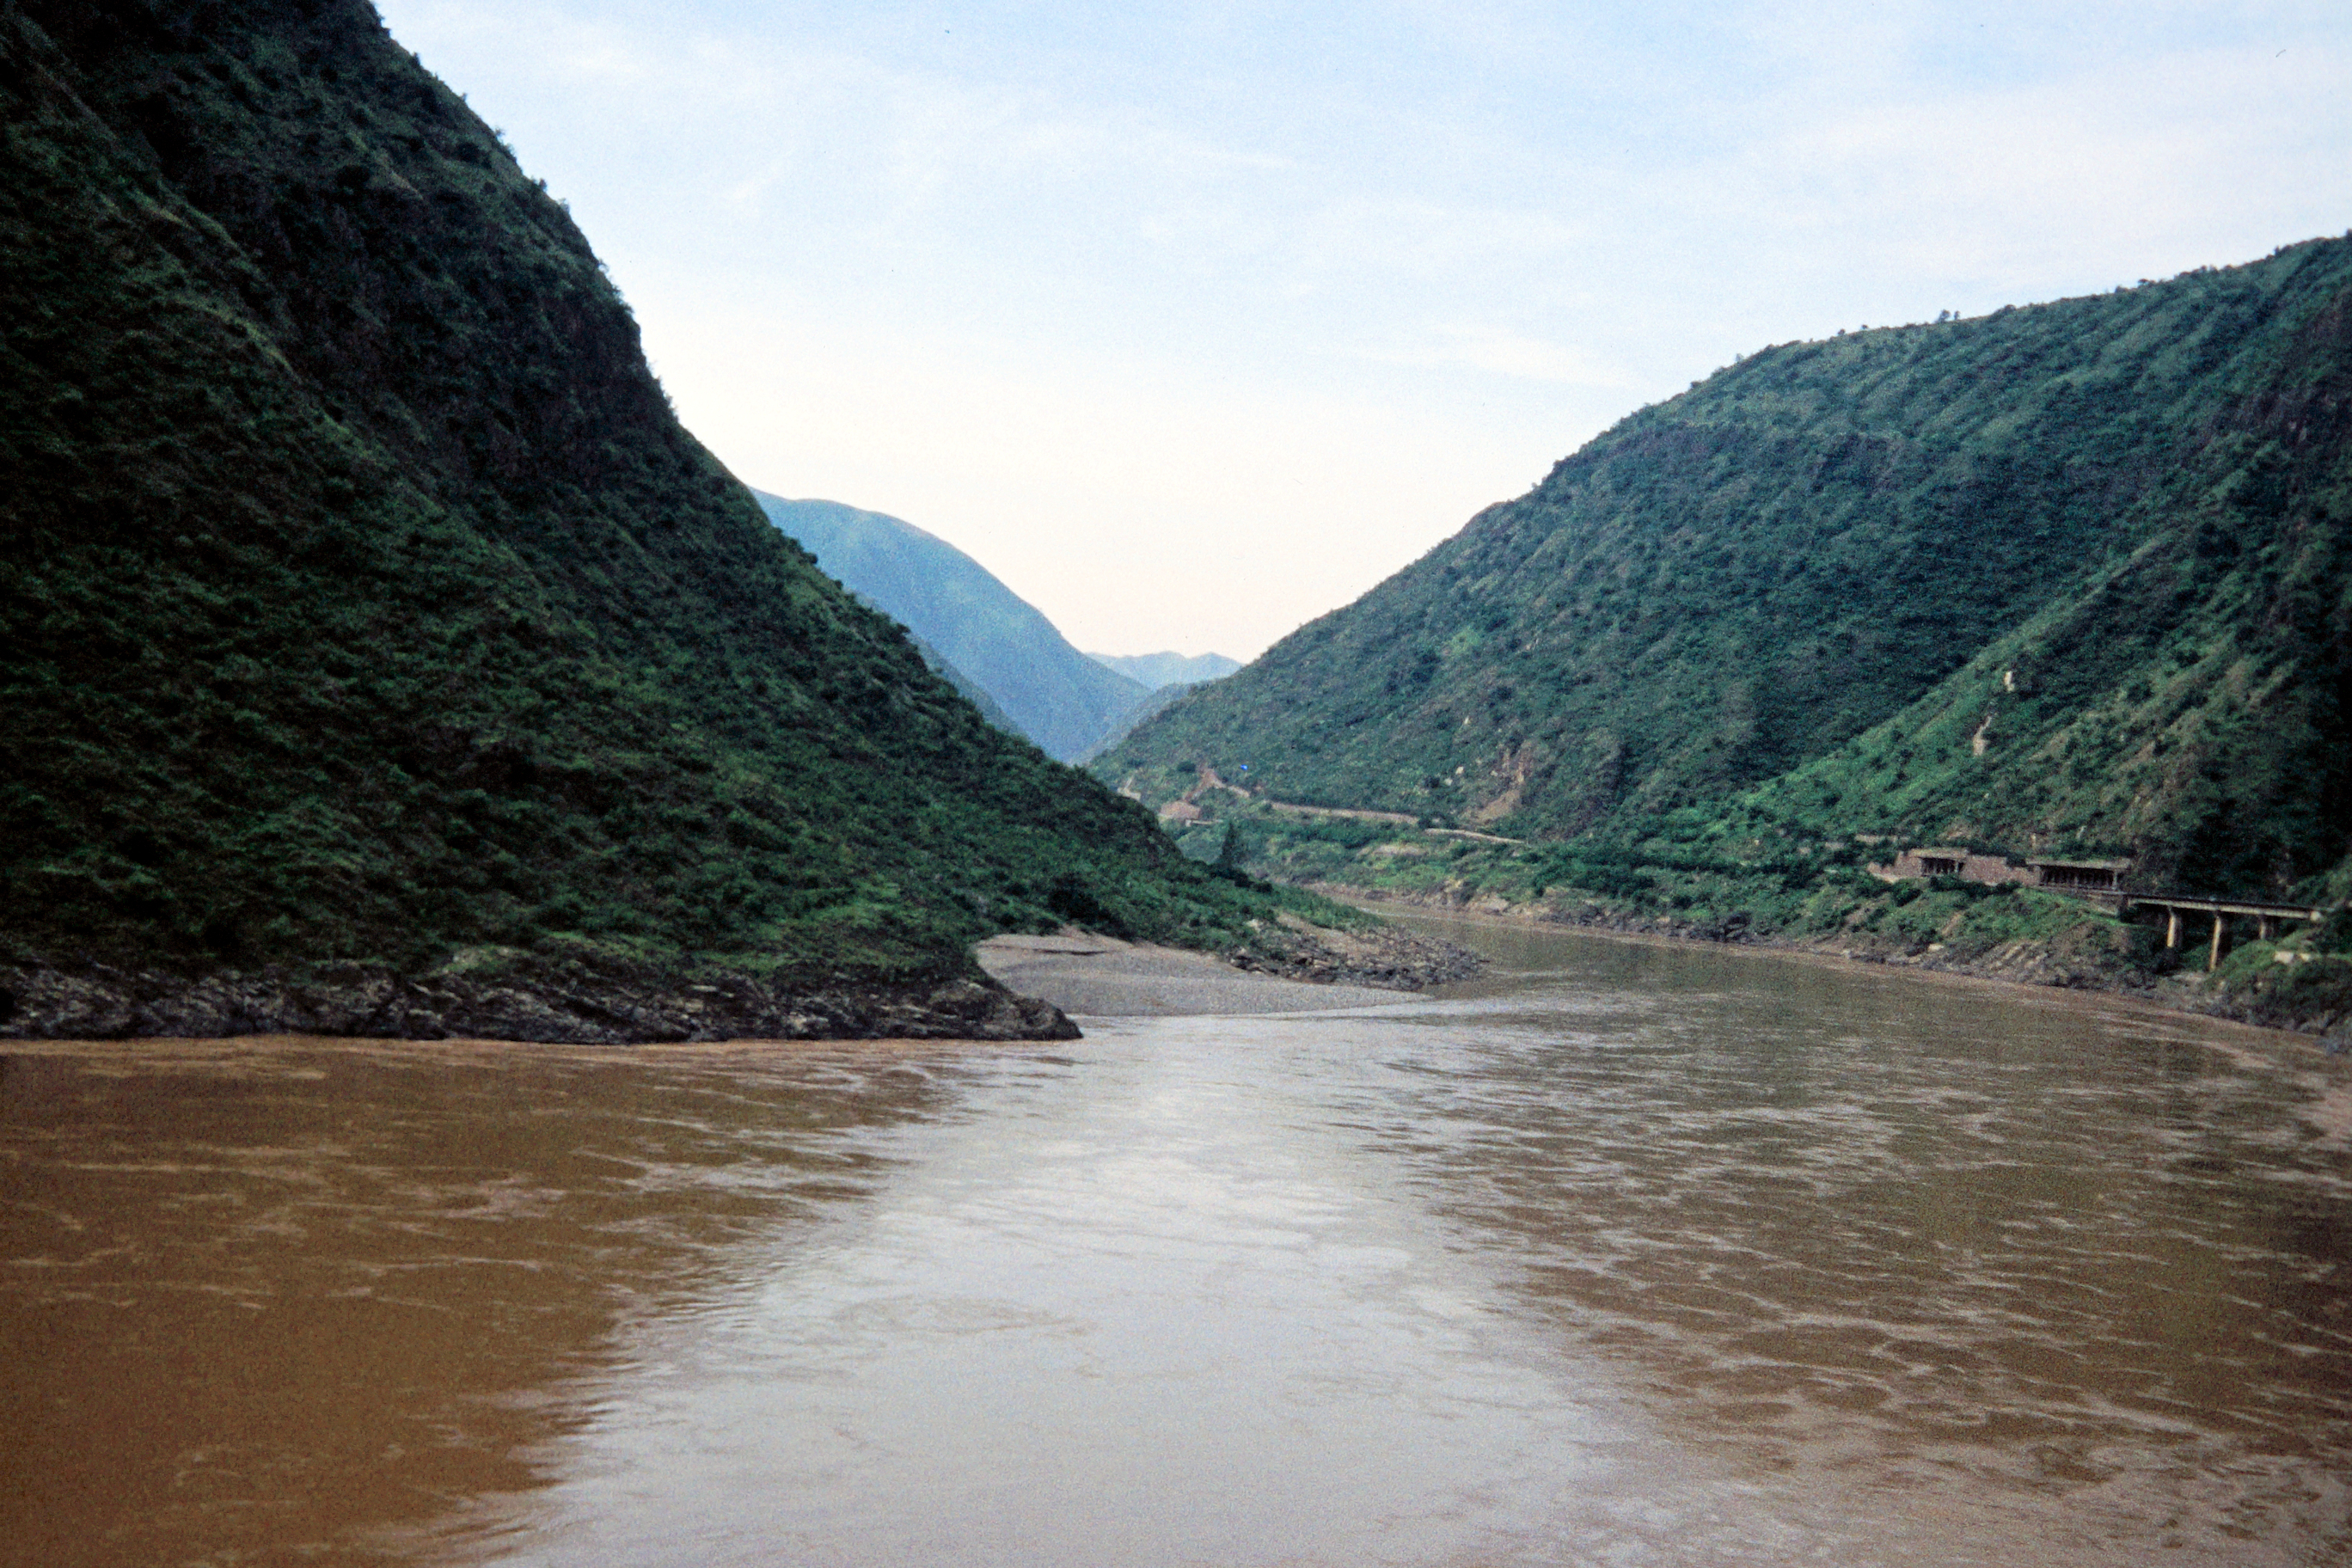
(1691, 878)
(970, 690)
(2066, 576)
(365, 600)
(1061, 699)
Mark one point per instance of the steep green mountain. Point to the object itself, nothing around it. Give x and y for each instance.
(380, 655)
(1155, 702)
(971, 690)
(1156, 670)
(2072, 575)
(1061, 699)
(1168, 675)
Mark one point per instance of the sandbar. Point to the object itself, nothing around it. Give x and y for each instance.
(1100, 977)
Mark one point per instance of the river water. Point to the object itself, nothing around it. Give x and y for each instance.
(1625, 1255)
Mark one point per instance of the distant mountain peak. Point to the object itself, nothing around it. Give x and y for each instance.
(1156, 670)
(1065, 701)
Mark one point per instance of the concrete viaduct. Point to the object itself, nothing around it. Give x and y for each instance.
(2176, 904)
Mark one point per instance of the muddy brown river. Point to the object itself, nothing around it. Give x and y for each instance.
(1625, 1255)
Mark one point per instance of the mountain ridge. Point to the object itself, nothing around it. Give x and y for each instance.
(1752, 578)
(381, 656)
(1168, 668)
(1059, 697)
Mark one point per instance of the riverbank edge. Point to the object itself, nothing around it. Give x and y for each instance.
(1383, 958)
(99, 1002)
(528, 1000)
(2023, 963)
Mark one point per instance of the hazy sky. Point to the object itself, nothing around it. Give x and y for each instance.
(1192, 321)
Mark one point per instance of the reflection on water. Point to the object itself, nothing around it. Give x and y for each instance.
(1155, 1311)
(260, 1297)
(1625, 1255)
(2029, 1254)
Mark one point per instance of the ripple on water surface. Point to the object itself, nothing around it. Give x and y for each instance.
(1630, 1255)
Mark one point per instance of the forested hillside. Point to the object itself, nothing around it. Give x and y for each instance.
(1060, 697)
(366, 612)
(2066, 576)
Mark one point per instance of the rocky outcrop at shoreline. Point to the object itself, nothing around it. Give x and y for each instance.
(1289, 968)
(545, 1004)
(503, 994)
(1383, 957)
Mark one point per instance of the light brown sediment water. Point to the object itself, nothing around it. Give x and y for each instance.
(1622, 1254)
(1098, 975)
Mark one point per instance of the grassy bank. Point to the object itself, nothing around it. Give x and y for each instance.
(1816, 894)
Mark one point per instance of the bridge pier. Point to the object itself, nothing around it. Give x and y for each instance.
(2269, 919)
